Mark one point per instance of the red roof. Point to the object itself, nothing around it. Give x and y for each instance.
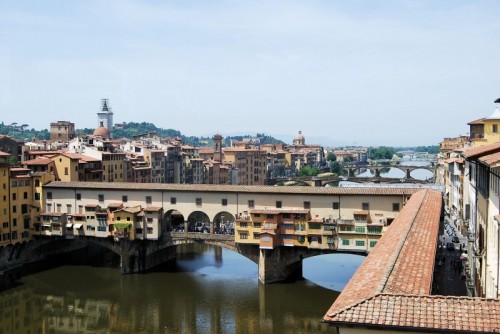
(481, 150)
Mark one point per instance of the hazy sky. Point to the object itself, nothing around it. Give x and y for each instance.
(398, 73)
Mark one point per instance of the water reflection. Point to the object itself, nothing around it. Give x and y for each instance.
(210, 290)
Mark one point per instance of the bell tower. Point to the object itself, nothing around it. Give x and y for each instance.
(105, 117)
(217, 147)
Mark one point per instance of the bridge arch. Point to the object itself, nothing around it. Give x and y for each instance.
(223, 222)
(198, 221)
(174, 219)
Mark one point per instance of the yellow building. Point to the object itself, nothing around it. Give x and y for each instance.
(283, 227)
(4, 199)
(22, 210)
(486, 130)
(250, 162)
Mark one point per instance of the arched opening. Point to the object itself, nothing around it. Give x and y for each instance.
(422, 174)
(174, 220)
(199, 222)
(224, 223)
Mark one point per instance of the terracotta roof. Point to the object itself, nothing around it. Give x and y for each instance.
(3, 154)
(152, 209)
(410, 312)
(491, 159)
(278, 211)
(477, 121)
(361, 213)
(38, 161)
(481, 150)
(378, 191)
(452, 160)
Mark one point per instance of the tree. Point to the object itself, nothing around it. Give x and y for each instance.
(335, 167)
(331, 157)
(309, 171)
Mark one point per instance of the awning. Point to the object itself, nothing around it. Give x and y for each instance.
(121, 226)
(78, 226)
(69, 225)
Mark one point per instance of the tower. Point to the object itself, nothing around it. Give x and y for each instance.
(105, 117)
(217, 147)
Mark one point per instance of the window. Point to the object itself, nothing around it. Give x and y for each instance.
(148, 200)
(360, 242)
(374, 229)
(243, 224)
(395, 206)
(173, 200)
(373, 243)
(78, 197)
(360, 229)
(307, 205)
(68, 208)
(100, 198)
(14, 208)
(365, 206)
(66, 172)
(14, 196)
(25, 195)
(335, 205)
(150, 230)
(14, 222)
(243, 235)
(124, 199)
(224, 202)
(251, 203)
(58, 206)
(278, 204)
(257, 225)
(256, 235)
(198, 201)
(49, 194)
(495, 128)
(270, 216)
(329, 240)
(24, 208)
(345, 242)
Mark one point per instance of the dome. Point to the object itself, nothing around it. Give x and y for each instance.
(299, 139)
(495, 115)
(101, 132)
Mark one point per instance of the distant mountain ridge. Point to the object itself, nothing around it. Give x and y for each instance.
(129, 130)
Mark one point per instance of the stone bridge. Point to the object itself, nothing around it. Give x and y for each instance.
(134, 256)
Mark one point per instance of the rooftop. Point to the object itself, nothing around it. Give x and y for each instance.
(355, 191)
(391, 289)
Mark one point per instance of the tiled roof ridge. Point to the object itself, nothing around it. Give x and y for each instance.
(484, 327)
(402, 241)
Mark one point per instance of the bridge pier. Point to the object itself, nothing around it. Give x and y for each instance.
(279, 264)
(408, 172)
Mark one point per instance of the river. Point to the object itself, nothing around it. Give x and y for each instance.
(209, 290)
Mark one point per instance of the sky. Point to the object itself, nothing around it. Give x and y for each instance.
(365, 73)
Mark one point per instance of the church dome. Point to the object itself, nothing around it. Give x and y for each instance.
(299, 139)
(495, 115)
(101, 132)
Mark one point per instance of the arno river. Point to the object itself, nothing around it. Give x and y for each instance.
(209, 290)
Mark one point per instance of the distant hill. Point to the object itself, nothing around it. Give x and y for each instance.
(22, 133)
